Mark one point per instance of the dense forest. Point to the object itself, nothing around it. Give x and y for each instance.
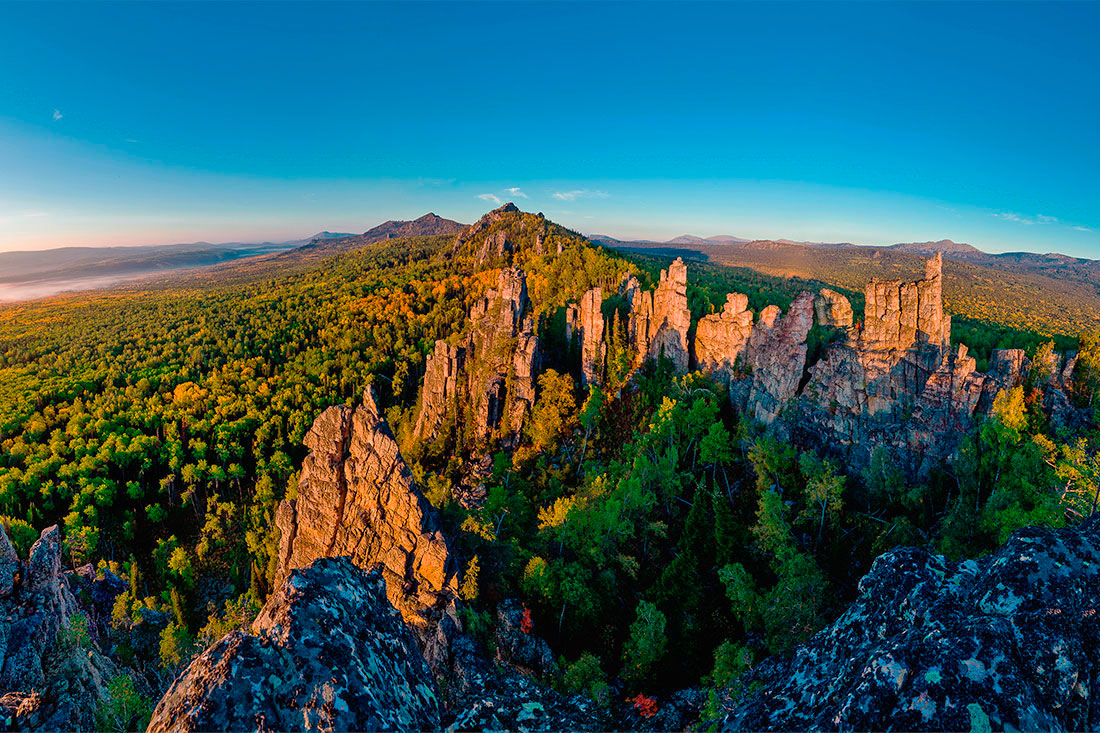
(657, 538)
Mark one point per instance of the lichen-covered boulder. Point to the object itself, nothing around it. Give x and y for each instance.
(1009, 641)
(481, 697)
(327, 652)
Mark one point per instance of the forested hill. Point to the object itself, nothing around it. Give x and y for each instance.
(535, 400)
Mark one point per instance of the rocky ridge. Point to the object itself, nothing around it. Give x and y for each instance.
(891, 381)
(1006, 642)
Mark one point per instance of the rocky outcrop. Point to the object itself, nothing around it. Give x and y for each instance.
(517, 646)
(357, 499)
(502, 341)
(9, 565)
(52, 675)
(327, 652)
(590, 325)
(832, 310)
(484, 697)
(668, 329)
(485, 240)
(492, 375)
(777, 355)
(1006, 642)
(659, 320)
(440, 390)
(900, 314)
(721, 338)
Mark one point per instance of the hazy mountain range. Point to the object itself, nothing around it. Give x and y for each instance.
(25, 275)
(37, 274)
(727, 249)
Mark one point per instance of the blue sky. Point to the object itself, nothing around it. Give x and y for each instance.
(871, 122)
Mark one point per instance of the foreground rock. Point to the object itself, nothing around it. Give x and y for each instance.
(1010, 641)
(52, 673)
(357, 498)
(327, 652)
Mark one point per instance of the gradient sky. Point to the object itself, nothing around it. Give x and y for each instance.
(146, 123)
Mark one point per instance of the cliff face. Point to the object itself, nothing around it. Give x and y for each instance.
(357, 499)
(777, 355)
(720, 339)
(491, 375)
(1007, 641)
(45, 683)
(327, 652)
(659, 320)
(587, 320)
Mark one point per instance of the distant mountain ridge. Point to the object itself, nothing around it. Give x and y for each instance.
(33, 274)
(429, 225)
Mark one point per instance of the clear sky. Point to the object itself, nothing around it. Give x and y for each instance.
(145, 123)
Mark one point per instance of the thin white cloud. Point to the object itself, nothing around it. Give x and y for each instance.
(1018, 219)
(1037, 219)
(580, 193)
(57, 115)
(515, 191)
(490, 197)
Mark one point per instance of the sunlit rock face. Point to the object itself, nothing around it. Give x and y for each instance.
(357, 499)
(589, 323)
(327, 652)
(1006, 642)
(818, 376)
(659, 320)
(833, 310)
(721, 338)
(777, 354)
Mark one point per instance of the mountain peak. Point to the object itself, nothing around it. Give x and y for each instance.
(946, 246)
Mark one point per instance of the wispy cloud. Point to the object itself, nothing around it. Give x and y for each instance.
(1037, 219)
(57, 115)
(581, 193)
(515, 191)
(490, 197)
(1017, 218)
